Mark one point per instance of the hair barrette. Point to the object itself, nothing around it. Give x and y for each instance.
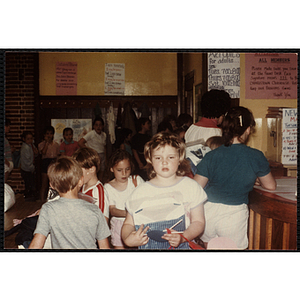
(241, 120)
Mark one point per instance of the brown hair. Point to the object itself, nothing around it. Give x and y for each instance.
(64, 174)
(162, 139)
(87, 158)
(214, 142)
(115, 158)
(235, 123)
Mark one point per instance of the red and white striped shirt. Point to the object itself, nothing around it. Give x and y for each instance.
(99, 193)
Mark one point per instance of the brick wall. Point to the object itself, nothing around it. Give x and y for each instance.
(20, 84)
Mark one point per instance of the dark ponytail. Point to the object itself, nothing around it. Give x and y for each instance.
(235, 123)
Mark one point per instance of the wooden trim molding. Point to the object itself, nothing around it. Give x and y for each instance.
(104, 101)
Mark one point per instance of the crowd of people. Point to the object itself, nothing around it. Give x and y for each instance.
(188, 182)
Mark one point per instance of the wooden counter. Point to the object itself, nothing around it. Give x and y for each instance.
(273, 217)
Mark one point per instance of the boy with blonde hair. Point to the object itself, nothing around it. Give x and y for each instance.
(73, 223)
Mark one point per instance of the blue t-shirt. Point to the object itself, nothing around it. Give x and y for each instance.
(232, 172)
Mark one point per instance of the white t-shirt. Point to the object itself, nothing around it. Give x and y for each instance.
(96, 141)
(118, 198)
(149, 203)
(195, 133)
(195, 139)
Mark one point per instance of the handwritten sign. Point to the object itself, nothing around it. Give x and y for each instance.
(66, 78)
(224, 72)
(289, 136)
(271, 75)
(114, 79)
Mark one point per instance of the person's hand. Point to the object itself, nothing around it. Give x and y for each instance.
(173, 238)
(17, 221)
(138, 238)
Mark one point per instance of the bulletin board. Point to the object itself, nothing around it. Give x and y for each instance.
(80, 128)
(289, 136)
(223, 72)
(271, 75)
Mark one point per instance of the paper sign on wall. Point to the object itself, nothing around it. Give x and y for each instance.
(66, 78)
(114, 79)
(271, 75)
(289, 136)
(224, 72)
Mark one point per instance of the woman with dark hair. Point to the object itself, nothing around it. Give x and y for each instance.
(231, 170)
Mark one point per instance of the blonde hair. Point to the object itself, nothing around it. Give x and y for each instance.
(162, 139)
(87, 158)
(64, 174)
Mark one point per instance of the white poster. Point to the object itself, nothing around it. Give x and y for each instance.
(80, 128)
(114, 79)
(224, 72)
(289, 136)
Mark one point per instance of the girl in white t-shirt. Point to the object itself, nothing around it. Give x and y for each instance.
(169, 200)
(119, 189)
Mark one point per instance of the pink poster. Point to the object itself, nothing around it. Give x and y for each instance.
(271, 75)
(66, 78)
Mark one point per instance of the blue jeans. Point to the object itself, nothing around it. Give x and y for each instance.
(152, 244)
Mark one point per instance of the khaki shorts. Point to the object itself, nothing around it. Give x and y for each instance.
(229, 221)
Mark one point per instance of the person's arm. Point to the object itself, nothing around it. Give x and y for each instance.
(37, 242)
(131, 237)
(45, 148)
(82, 143)
(268, 182)
(201, 180)
(103, 244)
(195, 229)
(115, 212)
(137, 158)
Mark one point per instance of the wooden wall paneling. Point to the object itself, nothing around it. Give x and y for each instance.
(293, 236)
(286, 236)
(73, 113)
(262, 239)
(257, 221)
(268, 234)
(277, 234)
(86, 113)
